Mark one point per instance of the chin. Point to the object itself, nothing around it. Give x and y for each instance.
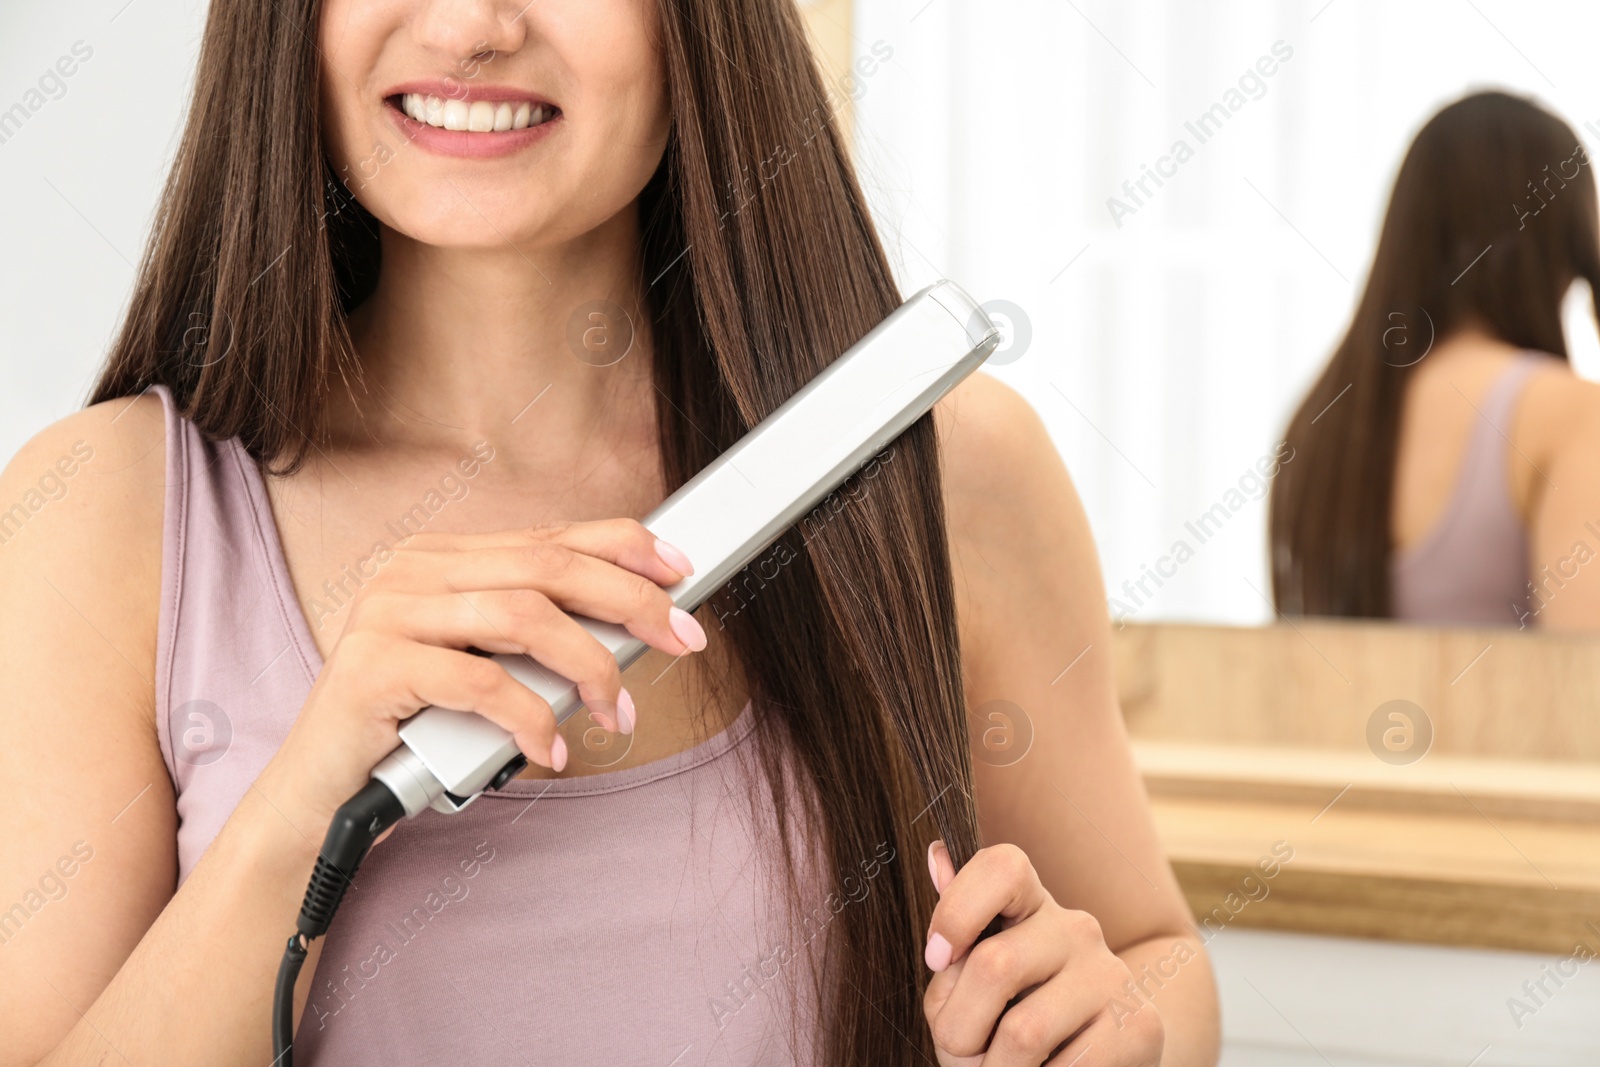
(470, 220)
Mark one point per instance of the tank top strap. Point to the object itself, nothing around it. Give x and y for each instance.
(1483, 477)
(231, 670)
(1499, 404)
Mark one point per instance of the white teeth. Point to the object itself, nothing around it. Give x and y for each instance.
(480, 116)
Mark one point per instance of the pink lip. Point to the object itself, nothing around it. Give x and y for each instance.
(465, 144)
(468, 90)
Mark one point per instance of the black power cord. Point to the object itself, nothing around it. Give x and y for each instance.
(356, 825)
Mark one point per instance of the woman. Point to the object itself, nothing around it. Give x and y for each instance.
(1445, 462)
(447, 427)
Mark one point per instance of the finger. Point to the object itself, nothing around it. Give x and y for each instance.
(426, 675)
(966, 1005)
(577, 582)
(510, 621)
(998, 880)
(1043, 1020)
(625, 543)
(622, 542)
(934, 1000)
(1133, 1038)
(607, 721)
(941, 868)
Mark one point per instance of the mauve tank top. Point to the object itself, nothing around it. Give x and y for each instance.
(626, 917)
(1472, 567)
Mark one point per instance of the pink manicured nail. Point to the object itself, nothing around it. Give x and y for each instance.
(933, 864)
(938, 952)
(673, 557)
(558, 755)
(625, 715)
(688, 631)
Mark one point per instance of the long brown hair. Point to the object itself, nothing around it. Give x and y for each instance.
(1492, 217)
(852, 656)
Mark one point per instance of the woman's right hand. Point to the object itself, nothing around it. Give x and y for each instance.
(403, 647)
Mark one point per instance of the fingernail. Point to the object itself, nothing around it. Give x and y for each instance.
(673, 557)
(938, 952)
(933, 864)
(625, 716)
(688, 631)
(558, 754)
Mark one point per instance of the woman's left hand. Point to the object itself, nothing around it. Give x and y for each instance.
(1066, 982)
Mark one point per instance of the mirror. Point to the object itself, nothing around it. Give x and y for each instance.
(1176, 208)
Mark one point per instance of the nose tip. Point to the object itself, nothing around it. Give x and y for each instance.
(471, 33)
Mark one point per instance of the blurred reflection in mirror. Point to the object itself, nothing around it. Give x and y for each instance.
(1448, 459)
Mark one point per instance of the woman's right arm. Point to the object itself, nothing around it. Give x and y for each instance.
(100, 961)
(89, 854)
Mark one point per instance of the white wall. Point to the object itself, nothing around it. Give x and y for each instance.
(78, 182)
(1168, 356)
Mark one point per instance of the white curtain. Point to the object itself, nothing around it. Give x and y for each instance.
(1174, 329)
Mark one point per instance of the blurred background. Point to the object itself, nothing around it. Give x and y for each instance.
(1165, 331)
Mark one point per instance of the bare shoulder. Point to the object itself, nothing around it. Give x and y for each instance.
(91, 479)
(1559, 412)
(1018, 531)
(1555, 390)
(992, 442)
(81, 513)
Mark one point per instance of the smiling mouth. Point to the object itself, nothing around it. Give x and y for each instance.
(478, 116)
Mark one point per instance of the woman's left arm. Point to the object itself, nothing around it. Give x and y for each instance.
(1098, 936)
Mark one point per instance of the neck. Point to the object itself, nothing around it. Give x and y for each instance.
(1473, 335)
(501, 343)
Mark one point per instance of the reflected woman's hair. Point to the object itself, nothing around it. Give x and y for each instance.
(1492, 218)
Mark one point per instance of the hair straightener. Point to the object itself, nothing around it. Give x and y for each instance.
(722, 518)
